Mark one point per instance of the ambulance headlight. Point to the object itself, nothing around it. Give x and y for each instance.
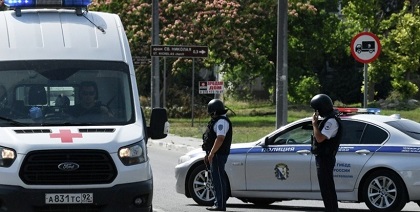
(7, 156)
(45, 3)
(133, 154)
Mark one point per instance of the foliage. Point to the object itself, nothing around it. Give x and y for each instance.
(397, 25)
(304, 89)
(242, 38)
(403, 44)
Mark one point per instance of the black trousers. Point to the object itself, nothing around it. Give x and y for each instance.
(218, 174)
(325, 167)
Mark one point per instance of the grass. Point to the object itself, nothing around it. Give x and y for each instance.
(253, 121)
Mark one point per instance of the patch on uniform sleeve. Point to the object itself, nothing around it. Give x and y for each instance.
(220, 127)
(327, 126)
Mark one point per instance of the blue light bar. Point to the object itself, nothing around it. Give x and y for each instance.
(373, 110)
(19, 3)
(46, 3)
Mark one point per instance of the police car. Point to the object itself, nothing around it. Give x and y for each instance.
(377, 163)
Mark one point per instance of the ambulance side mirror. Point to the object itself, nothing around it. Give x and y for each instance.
(159, 125)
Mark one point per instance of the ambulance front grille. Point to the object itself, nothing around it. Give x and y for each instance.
(45, 167)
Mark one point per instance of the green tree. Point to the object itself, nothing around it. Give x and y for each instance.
(402, 46)
(397, 28)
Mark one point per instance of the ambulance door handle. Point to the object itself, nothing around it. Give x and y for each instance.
(363, 152)
(303, 152)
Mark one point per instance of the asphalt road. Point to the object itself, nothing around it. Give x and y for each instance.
(164, 156)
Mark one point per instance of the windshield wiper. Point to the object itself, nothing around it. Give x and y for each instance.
(13, 122)
(57, 124)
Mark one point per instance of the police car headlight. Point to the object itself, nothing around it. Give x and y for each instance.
(7, 156)
(184, 159)
(133, 154)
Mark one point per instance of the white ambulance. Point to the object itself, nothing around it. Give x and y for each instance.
(72, 132)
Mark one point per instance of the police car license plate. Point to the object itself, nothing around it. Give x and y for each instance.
(74, 198)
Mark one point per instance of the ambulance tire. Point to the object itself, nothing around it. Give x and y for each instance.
(384, 191)
(200, 187)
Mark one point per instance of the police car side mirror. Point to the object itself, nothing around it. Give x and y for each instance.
(159, 125)
(266, 142)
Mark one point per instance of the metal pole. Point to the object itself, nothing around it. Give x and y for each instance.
(365, 86)
(192, 93)
(155, 94)
(281, 64)
(164, 83)
(365, 81)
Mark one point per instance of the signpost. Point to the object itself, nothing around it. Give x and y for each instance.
(365, 48)
(140, 60)
(181, 51)
(210, 87)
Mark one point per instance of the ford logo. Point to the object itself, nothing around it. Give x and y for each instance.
(68, 166)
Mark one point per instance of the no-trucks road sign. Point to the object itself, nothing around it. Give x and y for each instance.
(365, 47)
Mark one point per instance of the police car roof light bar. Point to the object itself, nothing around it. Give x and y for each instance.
(17, 5)
(353, 110)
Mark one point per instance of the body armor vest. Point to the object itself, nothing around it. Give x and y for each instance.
(329, 146)
(210, 136)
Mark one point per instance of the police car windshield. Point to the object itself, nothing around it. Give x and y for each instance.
(65, 92)
(410, 128)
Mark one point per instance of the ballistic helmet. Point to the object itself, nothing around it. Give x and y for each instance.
(323, 104)
(216, 107)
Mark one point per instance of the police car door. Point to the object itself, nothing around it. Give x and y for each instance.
(282, 162)
(359, 142)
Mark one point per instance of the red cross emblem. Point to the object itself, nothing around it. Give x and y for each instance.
(66, 136)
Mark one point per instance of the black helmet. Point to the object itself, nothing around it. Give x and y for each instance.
(216, 107)
(323, 104)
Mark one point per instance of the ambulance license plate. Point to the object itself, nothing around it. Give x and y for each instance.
(74, 198)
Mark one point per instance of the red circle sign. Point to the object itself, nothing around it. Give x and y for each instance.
(365, 47)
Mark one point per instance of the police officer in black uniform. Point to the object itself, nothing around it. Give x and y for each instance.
(325, 143)
(216, 142)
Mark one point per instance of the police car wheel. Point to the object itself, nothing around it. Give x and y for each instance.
(384, 191)
(200, 186)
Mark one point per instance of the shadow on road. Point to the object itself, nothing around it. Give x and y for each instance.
(239, 208)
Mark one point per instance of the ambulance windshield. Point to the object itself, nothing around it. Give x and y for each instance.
(65, 92)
